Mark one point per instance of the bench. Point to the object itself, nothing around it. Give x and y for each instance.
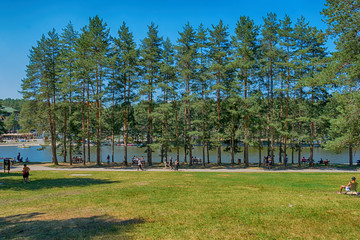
(77, 160)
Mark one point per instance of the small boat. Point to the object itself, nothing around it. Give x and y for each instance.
(24, 146)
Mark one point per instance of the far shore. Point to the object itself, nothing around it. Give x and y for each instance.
(17, 144)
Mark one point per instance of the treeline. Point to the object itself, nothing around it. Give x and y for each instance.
(212, 87)
(13, 103)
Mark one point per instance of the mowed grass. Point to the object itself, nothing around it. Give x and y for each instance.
(177, 205)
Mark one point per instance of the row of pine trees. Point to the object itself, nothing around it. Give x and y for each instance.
(212, 87)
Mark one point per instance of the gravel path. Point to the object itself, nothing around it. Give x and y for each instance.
(45, 168)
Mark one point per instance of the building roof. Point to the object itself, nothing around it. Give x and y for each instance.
(9, 110)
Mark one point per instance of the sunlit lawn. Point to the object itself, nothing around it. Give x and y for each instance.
(177, 205)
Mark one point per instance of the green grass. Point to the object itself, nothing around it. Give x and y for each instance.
(177, 205)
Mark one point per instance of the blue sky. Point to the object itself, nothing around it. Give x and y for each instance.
(23, 22)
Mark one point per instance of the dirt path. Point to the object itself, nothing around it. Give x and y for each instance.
(131, 169)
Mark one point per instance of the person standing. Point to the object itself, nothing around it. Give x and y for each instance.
(108, 159)
(177, 164)
(26, 173)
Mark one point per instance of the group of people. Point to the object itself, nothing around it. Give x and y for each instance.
(171, 164)
(20, 159)
(312, 162)
(140, 162)
(196, 160)
(268, 161)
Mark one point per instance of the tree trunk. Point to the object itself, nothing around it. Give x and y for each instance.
(259, 139)
(88, 122)
(65, 135)
(219, 122)
(69, 130)
(300, 129)
(149, 135)
(176, 131)
(232, 141)
(52, 131)
(272, 107)
(98, 115)
(246, 130)
(312, 134)
(208, 152)
(287, 103)
(83, 123)
(185, 134)
(125, 128)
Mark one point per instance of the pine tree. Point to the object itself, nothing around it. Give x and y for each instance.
(69, 85)
(168, 76)
(150, 62)
(42, 81)
(286, 35)
(186, 54)
(202, 77)
(83, 69)
(219, 56)
(270, 55)
(245, 47)
(301, 61)
(128, 63)
(11, 123)
(113, 97)
(99, 49)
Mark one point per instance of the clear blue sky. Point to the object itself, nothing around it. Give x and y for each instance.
(23, 22)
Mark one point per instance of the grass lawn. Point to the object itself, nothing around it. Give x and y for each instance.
(177, 205)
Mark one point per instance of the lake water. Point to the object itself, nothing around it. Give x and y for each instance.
(45, 155)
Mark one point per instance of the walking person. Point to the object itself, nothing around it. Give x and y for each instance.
(108, 159)
(170, 163)
(139, 164)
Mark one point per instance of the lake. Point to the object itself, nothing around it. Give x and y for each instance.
(45, 155)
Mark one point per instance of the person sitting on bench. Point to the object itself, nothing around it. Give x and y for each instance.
(350, 187)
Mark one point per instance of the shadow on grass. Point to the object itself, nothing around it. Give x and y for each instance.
(22, 226)
(47, 183)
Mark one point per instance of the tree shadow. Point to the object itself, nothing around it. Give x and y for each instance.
(47, 183)
(22, 226)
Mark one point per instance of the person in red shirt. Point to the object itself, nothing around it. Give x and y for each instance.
(26, 173)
